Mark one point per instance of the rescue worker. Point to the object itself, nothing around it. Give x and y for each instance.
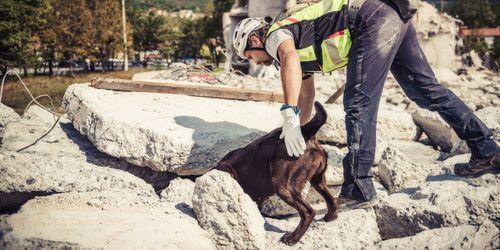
(370, 37)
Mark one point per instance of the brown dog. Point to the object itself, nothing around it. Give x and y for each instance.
(264, 168)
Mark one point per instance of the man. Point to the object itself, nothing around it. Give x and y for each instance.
(371, 37)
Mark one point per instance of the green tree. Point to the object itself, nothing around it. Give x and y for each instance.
(475, 43)
(149, 30)
(20, 21)
(107, 22)
(194, 36)
(219, 8)
(74, 30)
(475, 13)
(496, 51)
(48, 38)
(171, 48)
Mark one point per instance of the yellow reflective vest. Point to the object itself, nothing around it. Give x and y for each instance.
(320, 34)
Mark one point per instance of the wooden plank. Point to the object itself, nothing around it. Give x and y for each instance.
(336, 95)
(174, 87)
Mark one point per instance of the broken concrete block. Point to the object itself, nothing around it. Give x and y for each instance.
(334, 171)
(178, 190)
(334, 128)
(443, 200)
(397, 170)
(101, 220)
(460, 237)
(7, 115)
(24, 176)
(230, 215)
(437, 34)
(476, 60)
(354, 229)
(56, 162)
(167, 132)
(491, 118)
(461, 199)
(446, 77)
(393, 123)
(379, 150)
(438, 132)
(63, 140)
(449, 164)
(416, 152)
(399, 216)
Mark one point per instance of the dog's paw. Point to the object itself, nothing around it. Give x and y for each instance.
(289, 239)
(330, 217)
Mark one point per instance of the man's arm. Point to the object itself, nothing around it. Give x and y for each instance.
(291, 73)
(297, 92)
(291, 79)
(306, 99)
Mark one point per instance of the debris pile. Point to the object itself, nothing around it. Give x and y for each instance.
(134, 168)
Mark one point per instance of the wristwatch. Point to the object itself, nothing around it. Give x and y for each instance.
(295, 109)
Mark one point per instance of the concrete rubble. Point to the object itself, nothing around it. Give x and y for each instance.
(438, 36)
(484, 236)
(491, 117)
(133, 169)
(334, 172)
(398, 171)
(230, 215)
(353, 229)
(167, 132)
(178, 190)
(99, 220)
(7, 115)
(393, 123)
(443, 200)
(63, 161)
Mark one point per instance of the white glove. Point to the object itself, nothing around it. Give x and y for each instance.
(294, 141)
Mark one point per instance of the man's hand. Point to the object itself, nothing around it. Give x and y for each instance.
(294, 141)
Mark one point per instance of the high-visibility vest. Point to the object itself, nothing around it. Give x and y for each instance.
(320, 34)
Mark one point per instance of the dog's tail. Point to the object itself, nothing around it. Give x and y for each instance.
(311, 128)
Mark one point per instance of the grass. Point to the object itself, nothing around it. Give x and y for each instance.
(16, 97)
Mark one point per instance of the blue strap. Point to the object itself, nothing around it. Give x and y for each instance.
(295, 109)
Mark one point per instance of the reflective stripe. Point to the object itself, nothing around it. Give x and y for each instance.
(335, 50)
(338, 33)
(307, 54)
(281, 23)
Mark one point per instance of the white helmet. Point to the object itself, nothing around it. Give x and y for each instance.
(241, 32)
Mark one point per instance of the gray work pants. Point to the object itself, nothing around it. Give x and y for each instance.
(383, 42)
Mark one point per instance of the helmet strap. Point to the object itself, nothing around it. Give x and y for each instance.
(255, 49)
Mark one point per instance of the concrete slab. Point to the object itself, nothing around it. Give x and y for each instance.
(182, 134)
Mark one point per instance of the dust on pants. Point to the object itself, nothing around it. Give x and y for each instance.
(383, 42)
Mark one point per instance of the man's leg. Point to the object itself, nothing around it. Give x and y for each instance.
(416, 78)
(377, 40)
